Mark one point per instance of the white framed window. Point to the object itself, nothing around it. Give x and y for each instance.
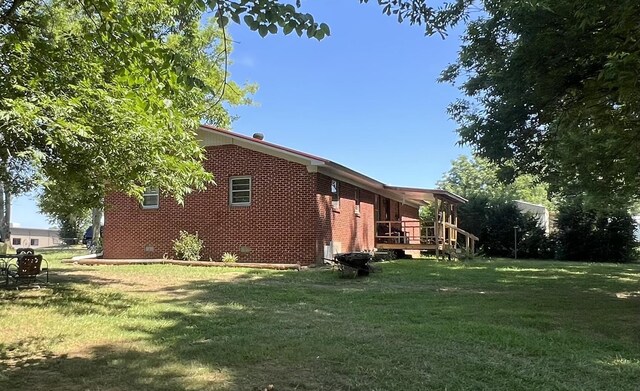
(335, 194)
(151, 198)
(357, 198)
(16, 241)
(35, 242)
(240, 191)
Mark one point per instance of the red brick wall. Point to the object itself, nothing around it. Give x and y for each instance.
(278, 227)
(290, 220)
(342, 225)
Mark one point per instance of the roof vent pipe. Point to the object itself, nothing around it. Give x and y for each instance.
(258, 136)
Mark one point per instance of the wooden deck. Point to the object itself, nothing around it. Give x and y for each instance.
(442, 237)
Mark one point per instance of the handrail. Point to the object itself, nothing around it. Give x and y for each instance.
(415, 231)
(416, 224)
(462, 231)
(396, 222)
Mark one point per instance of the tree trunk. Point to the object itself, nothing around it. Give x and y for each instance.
(2, 233)
(5, 212)
(96, 219)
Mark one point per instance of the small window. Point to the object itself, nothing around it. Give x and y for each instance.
(35, 242)
(151, 198)
(357, 197)
(335, 194)
(240, 191)
(16, 241)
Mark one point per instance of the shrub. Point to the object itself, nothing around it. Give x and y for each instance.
(188, 246)
(587, 234)
(494, 222)
(229, 258)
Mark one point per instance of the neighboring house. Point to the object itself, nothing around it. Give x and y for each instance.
(540, 212)
(33, 237)
(637, 232)
(275, 204)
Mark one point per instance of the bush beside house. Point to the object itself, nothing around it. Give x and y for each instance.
(188, 247)
(583, 234)
(587, 234)
(501, 225)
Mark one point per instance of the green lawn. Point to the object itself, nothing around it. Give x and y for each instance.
(418, 325)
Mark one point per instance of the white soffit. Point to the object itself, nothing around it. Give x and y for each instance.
(211, 139)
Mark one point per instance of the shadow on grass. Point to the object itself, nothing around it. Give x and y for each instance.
(99, 368)
(415, 326)
(70, 294)
(70, 301)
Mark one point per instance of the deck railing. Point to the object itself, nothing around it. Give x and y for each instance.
(417, 233)
(404, 232)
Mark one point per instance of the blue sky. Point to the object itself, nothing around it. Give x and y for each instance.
(365, 97)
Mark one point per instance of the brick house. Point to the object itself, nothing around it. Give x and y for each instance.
(274, 204)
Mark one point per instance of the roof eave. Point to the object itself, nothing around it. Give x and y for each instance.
(443, 194)
(333, 167)
(313, 160)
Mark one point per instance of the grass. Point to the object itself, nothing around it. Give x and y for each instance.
(418, 325)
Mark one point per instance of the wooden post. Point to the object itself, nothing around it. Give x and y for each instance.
(455, 220)
(450, 221)
(435, 226)
(444, 228)
(467, 245)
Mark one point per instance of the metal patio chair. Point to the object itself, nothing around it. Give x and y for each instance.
(27, 270)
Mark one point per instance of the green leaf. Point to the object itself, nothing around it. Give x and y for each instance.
(249, 21)
(325, 29)
(223, 21)
(311, 31)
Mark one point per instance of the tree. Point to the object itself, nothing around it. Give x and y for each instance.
(552, 89)
(106, 96)
(71, 229)
(478, 177)
(495, 220)
(66, 208)
(15, 172)
(587, 234)
(490, 211)
(97, 105)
